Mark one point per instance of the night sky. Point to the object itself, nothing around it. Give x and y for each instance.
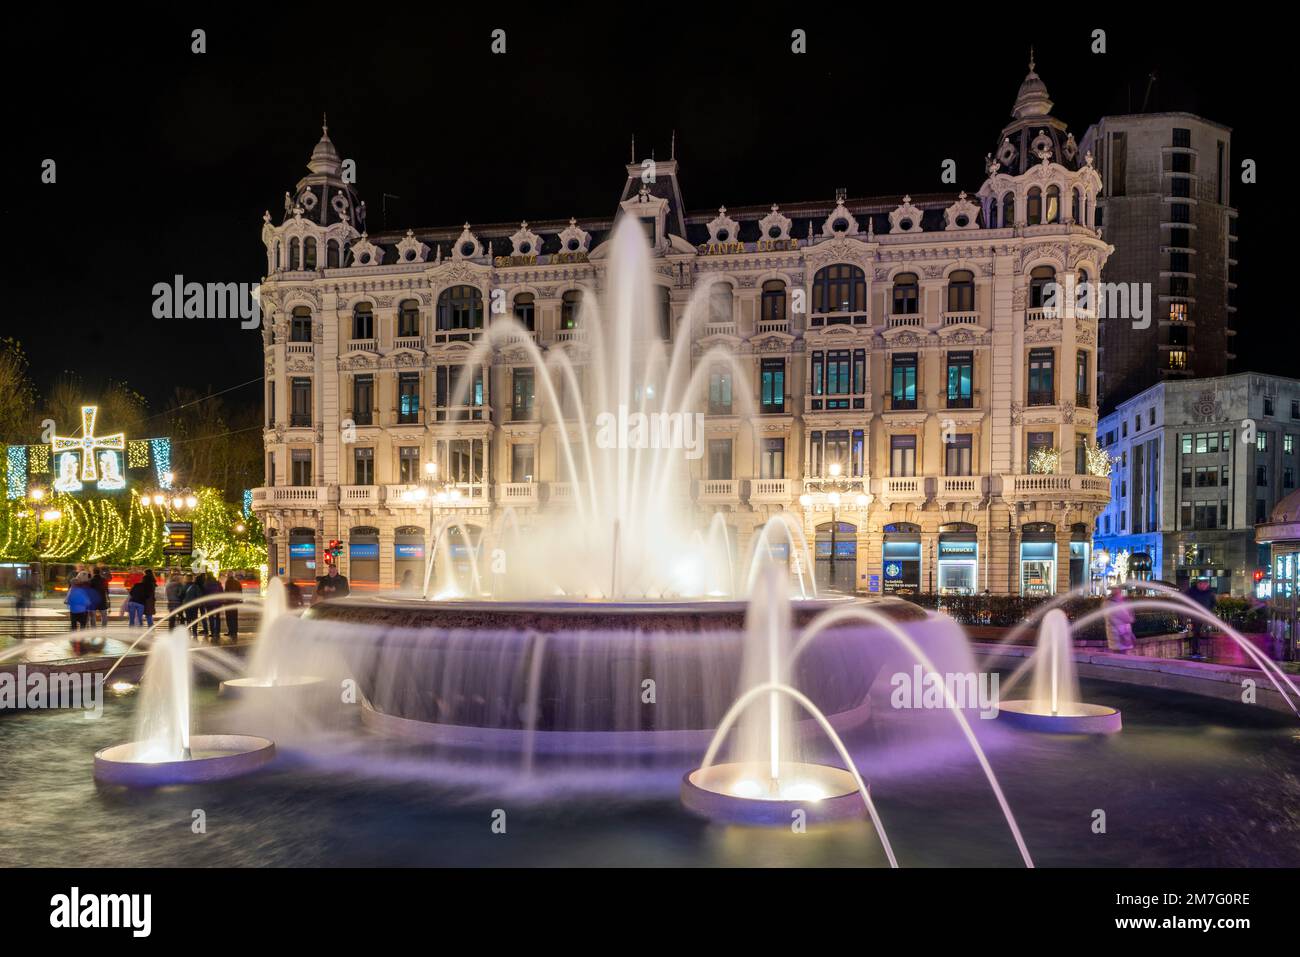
(167, 159)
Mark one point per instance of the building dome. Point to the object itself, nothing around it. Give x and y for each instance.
(325, 158)
(1032, 99)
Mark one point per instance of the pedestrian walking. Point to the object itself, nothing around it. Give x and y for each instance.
(234, 591)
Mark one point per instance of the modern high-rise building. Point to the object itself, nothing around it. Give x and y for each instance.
(920, 408)
(1197, 465)
(1165, 207)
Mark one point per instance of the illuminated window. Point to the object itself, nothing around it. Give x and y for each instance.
(1178, 312)
(1178, 359)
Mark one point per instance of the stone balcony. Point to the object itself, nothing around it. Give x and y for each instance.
(517, 494)
(358, 496)
(719, 492)
(903, 489)
(1042, 488)
(772, 491)
(291, 496)
(960, 488)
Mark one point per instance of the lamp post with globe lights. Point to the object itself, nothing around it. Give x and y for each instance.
(435, 493)
(836, 491)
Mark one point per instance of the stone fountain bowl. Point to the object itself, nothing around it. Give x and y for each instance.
(216, 757)
(570, 676)
(1086, 719)
(711, 793)
(293, 687)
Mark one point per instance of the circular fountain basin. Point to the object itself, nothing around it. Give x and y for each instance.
(215, 757)
(260, 689)
(739, 793)
(562, 676)
(1086, 719)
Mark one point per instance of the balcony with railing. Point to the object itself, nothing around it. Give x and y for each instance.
(363, 345)
(896, 321)
(961, 318)
(570, 335)
(1040, 487)
(1039, 314)
(299, 348)
(772, 325)
(359, 495)
(1040, 397)
(291, 496)
(719, 329)
(768, 491)
(517, 493)
(408, 342)
(719, 492)
(819, 320)
(903, 488)
(957, 488)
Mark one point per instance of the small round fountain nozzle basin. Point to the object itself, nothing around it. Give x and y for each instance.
(744, 793)
(264, 688)
(213, 757)
(1081, 719)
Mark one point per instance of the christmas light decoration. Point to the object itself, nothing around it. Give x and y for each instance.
(137, 454)
(162, 461)
(16, 471)
(38, 460)
(1099, 461)
(89, 444)
(1045, 461)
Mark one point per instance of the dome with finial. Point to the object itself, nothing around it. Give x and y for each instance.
(325, 158)
(1032, 100)
(1034, 135)
(323, 196)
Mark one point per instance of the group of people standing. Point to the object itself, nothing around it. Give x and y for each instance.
(194, 600)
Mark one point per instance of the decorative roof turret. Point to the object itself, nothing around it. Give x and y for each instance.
(1034, 133)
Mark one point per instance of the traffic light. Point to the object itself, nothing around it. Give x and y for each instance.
(332, 551)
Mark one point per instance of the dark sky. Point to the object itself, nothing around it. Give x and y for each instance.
(167, 159)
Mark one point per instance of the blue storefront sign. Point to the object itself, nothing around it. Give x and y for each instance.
(302, 550)
(404, 551)
(370, 550)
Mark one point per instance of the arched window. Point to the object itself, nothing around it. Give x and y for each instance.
(1009, 209)
(525, 310)
(332, 254)
(408, 318)
(773, 302)
(363, 321)
(1040, 278)
(665, 312)
(961, 291)
(720, 302)
(1053, 204)
(907, 294)
(294, 251)
(300, 324)
(309, 253)
(1034, 206)
(1076, 212)
(570, 305)
(460, 307)
(1083, 292)
(840, 288)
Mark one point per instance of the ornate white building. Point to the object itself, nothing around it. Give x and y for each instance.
(903, 358)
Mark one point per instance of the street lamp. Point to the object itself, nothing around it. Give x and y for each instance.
(434, 492)
(836, 490)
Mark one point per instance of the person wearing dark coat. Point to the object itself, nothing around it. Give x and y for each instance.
(233, 590)
(331, 585)
(1204, 595)
(99, 584)
(193, 590)
(211, 608)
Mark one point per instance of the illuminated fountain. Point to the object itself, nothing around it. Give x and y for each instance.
(1054, 703)
(615, 621)
(165, 751)
(268, 672)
